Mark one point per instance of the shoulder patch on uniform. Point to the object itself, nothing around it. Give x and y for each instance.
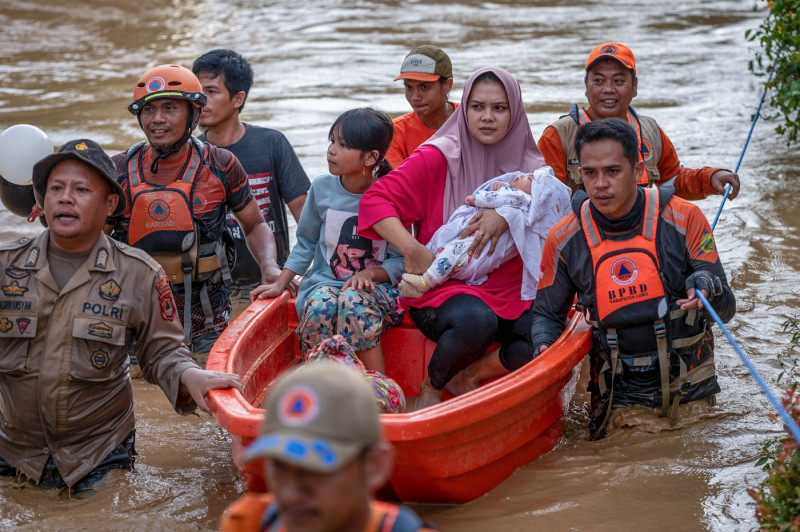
(163, 286)
(167, 306)
(707, 244)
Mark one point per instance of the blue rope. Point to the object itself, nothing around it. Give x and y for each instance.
(746, 142)
(791, 424)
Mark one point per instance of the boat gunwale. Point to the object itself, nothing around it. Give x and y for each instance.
(234, 412)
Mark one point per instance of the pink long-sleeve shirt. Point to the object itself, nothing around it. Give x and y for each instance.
(414, 193)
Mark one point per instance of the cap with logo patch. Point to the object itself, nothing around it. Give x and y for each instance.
(86, 151)
(613, 50)
(319, 417)
(426, 63)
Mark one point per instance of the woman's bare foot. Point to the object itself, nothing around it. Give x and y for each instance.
(428, 395)
(473, 375)
(464, 381)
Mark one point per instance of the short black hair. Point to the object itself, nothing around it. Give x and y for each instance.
(237, 70)
(612, 129)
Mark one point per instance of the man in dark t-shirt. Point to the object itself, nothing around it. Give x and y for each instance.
(272, 167)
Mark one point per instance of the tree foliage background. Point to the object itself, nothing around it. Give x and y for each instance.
(779, 37)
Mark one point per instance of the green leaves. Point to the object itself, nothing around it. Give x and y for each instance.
(779, 38)
(778, 497)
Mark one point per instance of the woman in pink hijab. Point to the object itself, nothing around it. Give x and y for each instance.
(488, 135)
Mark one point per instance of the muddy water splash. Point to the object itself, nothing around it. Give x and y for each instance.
(70, 70)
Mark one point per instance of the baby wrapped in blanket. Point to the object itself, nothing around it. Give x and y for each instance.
(530, 203)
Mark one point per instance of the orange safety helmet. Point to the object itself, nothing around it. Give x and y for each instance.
(167, 81)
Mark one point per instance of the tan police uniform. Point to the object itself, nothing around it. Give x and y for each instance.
(65, 389)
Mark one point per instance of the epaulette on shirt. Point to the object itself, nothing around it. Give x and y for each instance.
(137, 254)
(16, 244)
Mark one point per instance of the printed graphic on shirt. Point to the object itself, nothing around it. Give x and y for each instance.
(347, 252)
(259, 186)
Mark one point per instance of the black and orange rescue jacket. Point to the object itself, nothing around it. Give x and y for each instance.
(647, 350)
(164, 224)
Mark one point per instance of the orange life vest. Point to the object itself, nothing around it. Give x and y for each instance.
(162, 224)
(258, 511)
(161, 216)
(628, 284)
(640, 326)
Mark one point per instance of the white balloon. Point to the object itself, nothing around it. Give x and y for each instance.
(21, 147)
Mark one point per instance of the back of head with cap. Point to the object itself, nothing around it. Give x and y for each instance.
(318, 417)
(426, 63)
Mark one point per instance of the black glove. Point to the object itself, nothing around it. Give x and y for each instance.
(703, 280)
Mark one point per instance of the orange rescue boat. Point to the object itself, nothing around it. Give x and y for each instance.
(452, 452)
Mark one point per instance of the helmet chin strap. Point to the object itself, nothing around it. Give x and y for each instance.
(191, 122)
(164, 154)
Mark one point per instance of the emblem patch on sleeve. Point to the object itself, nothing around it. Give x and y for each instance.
(162, 285)
(707, 243)
(165, 298)
(167, 308)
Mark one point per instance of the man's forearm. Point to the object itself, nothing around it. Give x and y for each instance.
(261, 243)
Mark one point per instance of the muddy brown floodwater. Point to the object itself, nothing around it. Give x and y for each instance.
(70, 69)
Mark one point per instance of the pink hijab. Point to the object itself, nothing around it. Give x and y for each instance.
(470, 162)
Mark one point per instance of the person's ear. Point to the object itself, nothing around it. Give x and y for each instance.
(635, 86)
(371, 158)
(448, 85)
(638, 170)
(111, 204)
(238, 99)
(379, 465)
